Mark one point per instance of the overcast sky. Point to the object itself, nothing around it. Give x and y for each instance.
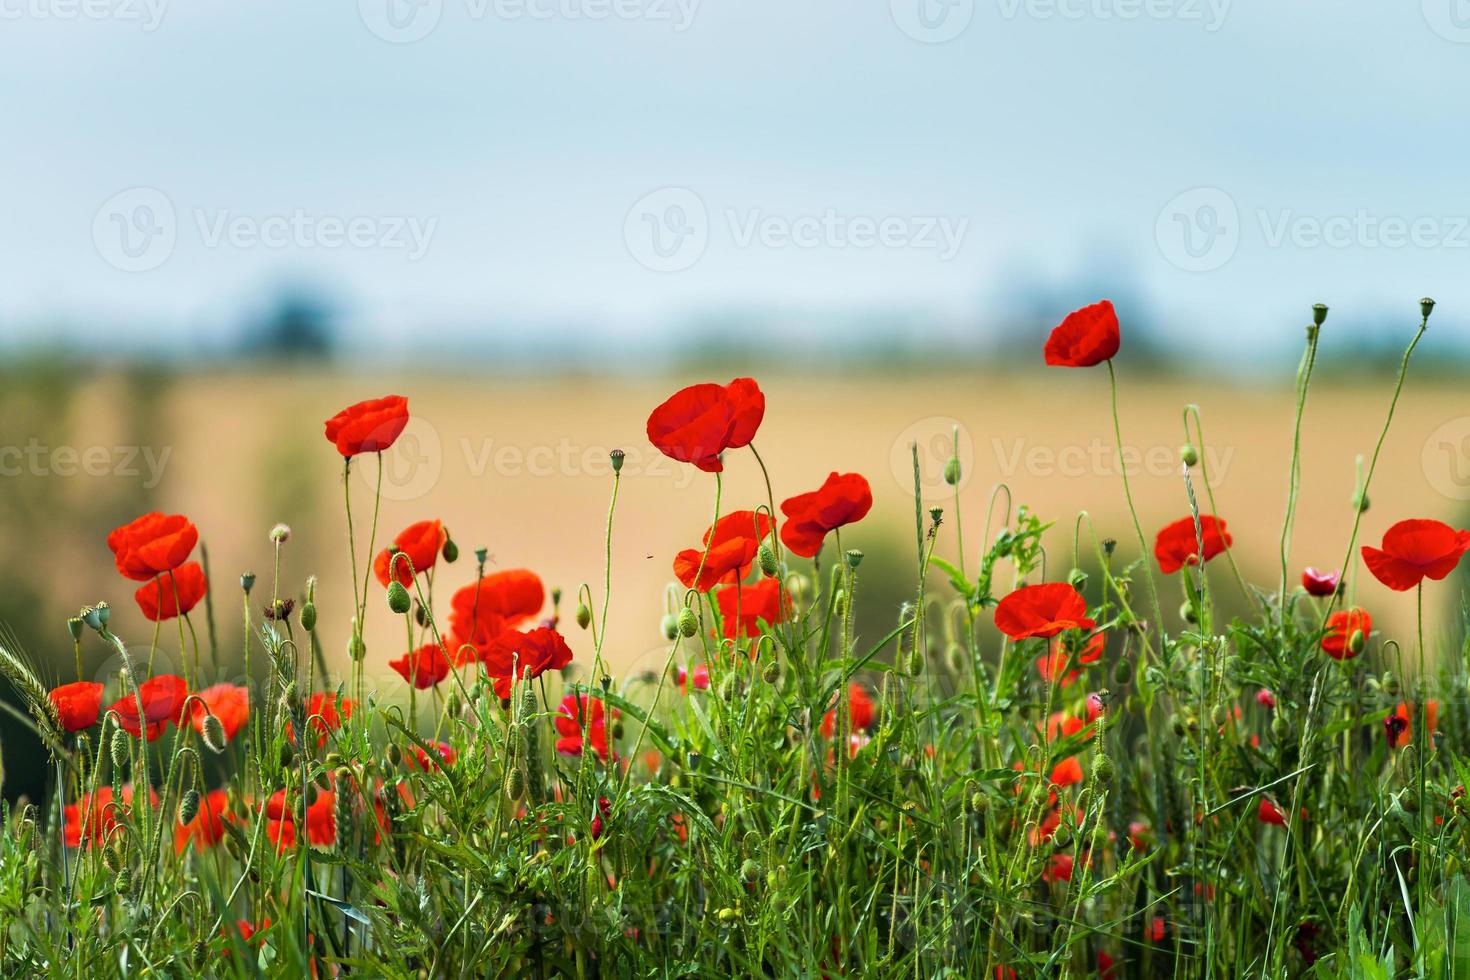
(620, 167)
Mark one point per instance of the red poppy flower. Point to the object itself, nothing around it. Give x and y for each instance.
(1062, 725)
(420, 544)
(368, 427)
(78, 704)
(700, 422)
(576, 712)
(1086, 337)
(1068, 772)
(603, 812)
(163, 701)
(1266, 699)
(1320, 583)
(424, 667)
(247, 931)
(861, 712)
(443, 754)
(208, 827)
(529, 654)
(1058, 868)
(699, 676)
(744, 607)
(1177, 546)
(1269, 812)
(1415, 550)
(845, 498)
(228, 703)
(152, 544)
(167, 595)
(482, 610)
(732, 543)
(1052, 664)
(1042, 610)
(324, 713)
(321, 820)
(93, 818)
(1341, 626)
(1402, 733)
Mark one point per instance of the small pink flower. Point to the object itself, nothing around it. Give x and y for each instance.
(1265, 698)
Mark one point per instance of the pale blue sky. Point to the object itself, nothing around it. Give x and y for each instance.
(495, 174)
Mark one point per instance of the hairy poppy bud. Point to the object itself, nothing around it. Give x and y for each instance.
(1177, 726)
(1187, 613)
(729, 688)
(115, 855)
(728, 915)
(669, 625)
(840, 602)
(189, 806)
(1102, 768)
(952, 470)
(74, 627)
(584, 615)
(247, 582)
(119, 748)
(398, 599)
(688, 622)
(450, 551)
(212, 731)
(771, 673)
(1280, 727)
(395, 755)
(1426, 306)
(1319, 313)
(123, 883)
(1188, 455)
(515, 782)
(1357, 641)
(1078, 579)
(308, 616)
(916, 662)
(617, 456)
(767, 560)
(356, 649)
(1062, 837)
(750, 871)
(1390, 684)
(420, 614)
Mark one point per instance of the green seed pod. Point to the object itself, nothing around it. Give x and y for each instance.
(212, 732)
(450, 551)
(1280, 727)
(287, 755)
(420, 614)
(584, 615)
(308, 616)
(1189, 455)
(771, 672)
(1062, 837)
(114, 856)
(616, 730)
(119, 748)
(979, 803)
(728, 915)
(104, 612)
(356, 649)
(952, 470)
(1361, 502)
(74, 627)
(1357, 641)
(123, 883)
(1102, 768)
(766, 557)
(840, 605)
(688, 622)
(399, 601)
(1319, 314)
(1188, 613)
(669, 625)
(936, 515)
(1426, 307)
(750, 871)
(616, 457)
(189, 806)
(854, 557)
(916, 662)
(1122, 672)
(247, 582)
(395, 755)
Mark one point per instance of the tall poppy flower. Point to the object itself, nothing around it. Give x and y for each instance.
(78, 704)
(1085, 338)
(861, 713)
(525, 654)
(325, 713)
(150, 545)
(731, 543)
(1268, 812)
(1177, 545)
(170, 595)
(227, 702)
(208, 826)
(1052, 666)
(93, 818)
(1401, 731)
(420, 543)
(1042, 610)
(442, 754)
(423, 668)
(163, 702)
(1318, 582)
(1414, 550)
(698, 423)
(743, 607)
(1341, 625)
(321, 819)
(845, 498)
(578, 712)
(482, 610)
(368, 427)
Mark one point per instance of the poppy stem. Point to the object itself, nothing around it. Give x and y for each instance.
(1132, 510)
(1294, 475)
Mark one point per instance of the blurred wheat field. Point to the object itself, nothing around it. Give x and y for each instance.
(520, 467)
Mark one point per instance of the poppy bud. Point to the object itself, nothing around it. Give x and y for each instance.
(1390, 684)
(694, 760)
(450, 551)
(482, 555)
(123, 883)
(767, 559)
(952, 470)
(1123, 672)
(515, 783)
(1176, 724)
(212, 731)
(356, 649)
(1220, 715)
(854, 558)
(728, 915)
(398, 599)
(616, 731)
(308, 616)
(688, 622)
(1319, 314)
(1280, 727)
(189, 806)
(729, 688)
(452, 703)
(617, 456)
(771, 673)
(750, 871)
(119, 748)
(74, 627)
(287, 755)
(247, 582)
(1360, 501)
(395, 755)
(840, 603)
(1357, 641)
(280, 534)
(420, 614)
(1077, 578)
(1188, 455)
(1187, 613)
(916, 662)
(115, 855)
(584, 615)
(1062, 837)
(1426, 306)
(669, 625)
